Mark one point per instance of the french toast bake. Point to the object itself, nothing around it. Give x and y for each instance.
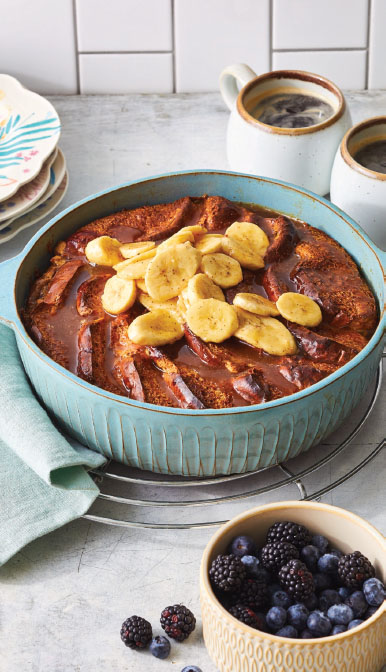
(200, 303)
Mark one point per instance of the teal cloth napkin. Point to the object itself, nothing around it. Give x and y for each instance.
(43, 479)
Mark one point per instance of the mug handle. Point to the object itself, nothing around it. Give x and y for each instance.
(229, 77)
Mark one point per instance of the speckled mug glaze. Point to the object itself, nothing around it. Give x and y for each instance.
(182, 441)
(235, 646)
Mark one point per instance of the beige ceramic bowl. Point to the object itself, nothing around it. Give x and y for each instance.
(235, 647)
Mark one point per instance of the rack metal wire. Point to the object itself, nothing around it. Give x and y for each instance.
(114, 479)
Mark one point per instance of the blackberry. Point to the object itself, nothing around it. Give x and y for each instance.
(295, 534)
(248, 616)
(354, 569)
(297, 580)
(227, 572)
(136, 633)
(178, 622)
(277, 554)
(253, 594)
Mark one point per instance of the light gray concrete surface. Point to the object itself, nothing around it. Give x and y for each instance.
(63, 598)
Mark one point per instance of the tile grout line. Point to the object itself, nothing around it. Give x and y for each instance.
(117, 53)
(323, 49)
(367, 74)
(172, 7)
(75, 24)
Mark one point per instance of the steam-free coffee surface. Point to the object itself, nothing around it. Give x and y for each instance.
(373, 156)
(292, 110)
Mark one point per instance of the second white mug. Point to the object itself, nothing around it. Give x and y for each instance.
(301, 155)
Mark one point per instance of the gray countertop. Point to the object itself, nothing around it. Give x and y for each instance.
(63, 598)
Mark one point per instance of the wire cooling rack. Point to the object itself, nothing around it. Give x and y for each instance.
(133, 498)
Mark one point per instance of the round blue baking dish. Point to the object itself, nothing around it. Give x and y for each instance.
(194, 442)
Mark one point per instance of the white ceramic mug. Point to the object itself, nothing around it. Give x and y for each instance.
(359, 191)
(303, 156)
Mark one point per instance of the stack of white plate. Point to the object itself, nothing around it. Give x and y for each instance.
(33, 175)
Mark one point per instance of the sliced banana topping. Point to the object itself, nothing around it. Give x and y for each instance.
(129, 250)
(246, 256)
(266, 333)
(156, 328)
(210, 243)
(223, 270)
(152, 305)
(250, 235)
(118, 295)
(103, 251)
(177, 239)
(170, 271)
(201, 287)
(212, 320)
(149, 254)
(254, 303)
(141, 284)
(300, 309)
(196, 229)
(131, 269)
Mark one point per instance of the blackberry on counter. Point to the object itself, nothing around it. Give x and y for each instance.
(178, 622)
(136, 632)
(248, 616)
(354, 569)
(275, 555)
(295, 534)
(227, 572)
(254, 594)
(297, 580)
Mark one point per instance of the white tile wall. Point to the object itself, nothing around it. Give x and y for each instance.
(210, 34)
(319, 24)
(377, 50)
(118, 46)
(126, 73)
(346, 68)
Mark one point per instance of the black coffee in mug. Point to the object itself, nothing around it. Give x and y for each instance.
(292, 109)
(373, 156)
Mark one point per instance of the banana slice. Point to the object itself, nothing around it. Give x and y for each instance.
(149, 254)
(182, 308)
(129, 250)
(196, 229)
(246, 256)
(141, 284)
(300, 309)
(103, 251)
(118, 295)
(133, 270)
(202, 287)
(254, 303)
(170, 271)
(156, 328)
(223, 270)
(266, 333)
(210, 244)
(250, 235)
(177, 239)
(212, 320)
(152, 305)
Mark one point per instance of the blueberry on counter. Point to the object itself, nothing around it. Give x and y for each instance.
(276, 618)
(160, 647)
(357, 602)
(340, 614)
(297, 616)
(287, 631)
(243, 545)
(374, 592)
(319, 624)
(191, 668)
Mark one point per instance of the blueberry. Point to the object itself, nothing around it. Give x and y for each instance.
(374, 591)
(320, 542)
(287, 631)
(319, 624)
(340, 614)
(337, 629)
(191, 668)
(328, 563)
(274, 588)
(255, 569)
(327, 598)
(358, 603)
(310, 556)
(281, 599)
(306, 634)
(344, 592)
(297, 616)
(370, 612)
(311, 602)
(336, 551)
(243, 545)
(160, 647)
(276, 618)
(322, 581)
(354, 623)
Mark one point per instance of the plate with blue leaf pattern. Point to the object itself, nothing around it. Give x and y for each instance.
(29, 133)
